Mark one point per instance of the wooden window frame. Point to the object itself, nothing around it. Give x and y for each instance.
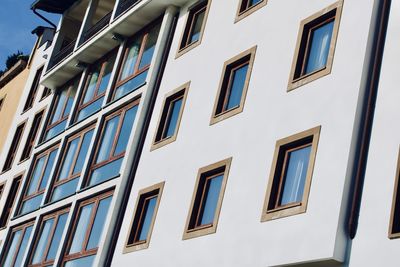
(11, 200)
(179, 93)
(104, 62)
(296, 78)
(142, 35)
(14, 229)
(244, 8)
(225, 85)
(71, 176)
(192, 11)
(45, 93)
(13, 150)
(38, 192)
(34, 89)
(120, 112)
(147, 193)
(283, 146)
(206, 173)
(56, 216)
(33, 133)
(84, 253)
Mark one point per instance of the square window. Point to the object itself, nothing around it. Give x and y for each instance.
(291, 173)
(394, 226)
(145, 215)
(246, 7)
(194, 27)
(233, 86)
(87, 230)
(168, 124)
(315, 46)
(207, 199)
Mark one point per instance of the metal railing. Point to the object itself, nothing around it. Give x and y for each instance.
(101, 24)
(62, 54)
(125, 5)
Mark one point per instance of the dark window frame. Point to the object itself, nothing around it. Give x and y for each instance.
(245, 8)
(13, 149)
(32, 135)
(11, 200)
(34, 89)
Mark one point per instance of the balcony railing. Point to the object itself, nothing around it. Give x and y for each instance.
(101, 24)
(125, 5)
(62, 54)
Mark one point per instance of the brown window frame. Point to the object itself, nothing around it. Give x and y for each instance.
(279, 164)
(46, 92)
(84, 253)
(56, 215)
(13, 150)
(154, 191)
(11, 200)
(245, 9)
(193, 11)
(297, 76)
(245, 58)
(71, 177)
(33, 133)
(192, 229)
(179, 93)
(34, 89)
(120, 112)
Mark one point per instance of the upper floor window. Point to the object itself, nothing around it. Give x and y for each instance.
(136, 61)
(17, 244)
(233, 86)
(37, 180)
(95, 88)
(110, 151)
(87, 230)
(33, 132)
(61, 109)
(10, 201)
(291, 172)
(315, 46)
(171, 116)
(207, 199)
(14, 147)
(33, 91)
(49, 239)
(46, 92)
(246, 7)
(195, 25)
(77, 148)
(145, 215)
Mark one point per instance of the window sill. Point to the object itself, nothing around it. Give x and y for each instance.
(226, 114)
(242, 14)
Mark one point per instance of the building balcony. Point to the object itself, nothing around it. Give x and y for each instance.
(62, 54)
(125, 5)
(99, 26)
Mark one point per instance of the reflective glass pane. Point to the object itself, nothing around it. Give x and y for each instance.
(126, 129)
(58, 108)
(111, 170)
(254, 2)
(49, 167)
(31, 204)
(13, 249)
(173, 118)
(198, 22)
(106, 75)
(149, 47)
(87, 138)
(86, 261)
(295, 175)
(56, 130)
(65, 190)
(107, 139)
(81, 229)
(43, 240)
(213, 188)
(90, 109)
(236, 90)
(70, 101)
(91, 87)
(149, 213)
(132, 85)
(23, 247)
(37, 172)
(131, 58)
(98, 224)
(56, 242)
(319, 49)
(69, 157)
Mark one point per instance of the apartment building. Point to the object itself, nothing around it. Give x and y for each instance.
(208, 133)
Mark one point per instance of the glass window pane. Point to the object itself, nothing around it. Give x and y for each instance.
(211, 199)
(131, 85)
(56, 242)
(236, 90)
(98, 224)
(24, 245)
(69, 157)
(319, 49)
(43, 240)
(91, 88)
(86, 261)
(90, 109)
(198, 22)
(31, 204)
(149, 213)
(56, 130)
(107, 139)
(49, 167)
(131, 58)
(254, 2)
(125, 130)
(36, 175)
(173, 118)
(65, 190)
(106, 75)
(13, 248)
(60, 105)
(81, 229)
(87, 138)
(111, 170)
(295, 175)
(70, 102)
(149, 47)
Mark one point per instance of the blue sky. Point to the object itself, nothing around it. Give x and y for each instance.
(16, 23)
